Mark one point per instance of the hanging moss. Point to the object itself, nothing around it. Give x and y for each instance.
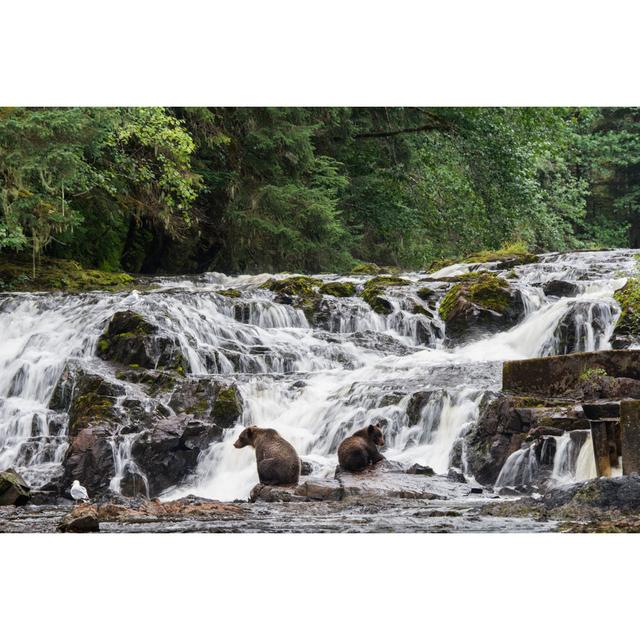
(338, 289)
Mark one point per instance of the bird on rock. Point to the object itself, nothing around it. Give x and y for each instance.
(78, 492)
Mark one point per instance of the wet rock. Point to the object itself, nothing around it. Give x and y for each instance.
(338, 289)
(306, 468)
(83, 519)
(455, 475)
(480, 303)
(270, 493)
(555, 376)
(168, 451)
(560, 289)
(572, 335)
(119, 509)
(208, 400)
(496, 435)
(89, 459)
(374, 289)
(621, 493)
(418, 469)
(14, 490)
(320, 490)
(298, 291)
(131, 340)
(133, 484)
(627, 330)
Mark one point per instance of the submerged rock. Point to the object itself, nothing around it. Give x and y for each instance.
(14, 490)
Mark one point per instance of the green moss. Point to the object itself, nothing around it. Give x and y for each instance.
(134, 366)
(338, 289)
(366, 269)
(229, 293)
(514, 253)
(58, 275)
(592, 374)
(482, 288)
(628, 297)
(227, 405)
(293, 286)
(103, 345)
(89, 406)
(374, 289)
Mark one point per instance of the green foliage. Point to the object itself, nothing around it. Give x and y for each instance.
(314, 189)
(591, 374)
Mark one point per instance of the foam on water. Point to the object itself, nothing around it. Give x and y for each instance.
(314, 386)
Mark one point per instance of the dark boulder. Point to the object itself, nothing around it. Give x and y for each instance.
(572, 335)
(496, 435)
(621, 493)
(131, 340)
(560, 289)
(14, 490)
(420, 470)
(168, 451)
(89, 459)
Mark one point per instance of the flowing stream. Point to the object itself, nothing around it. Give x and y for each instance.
(314, 385)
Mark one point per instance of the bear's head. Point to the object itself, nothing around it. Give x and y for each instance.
(375, 434)
(246, 438)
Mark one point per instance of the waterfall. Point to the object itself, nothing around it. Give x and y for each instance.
(314, 384)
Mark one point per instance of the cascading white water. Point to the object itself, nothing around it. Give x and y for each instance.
(315, 386)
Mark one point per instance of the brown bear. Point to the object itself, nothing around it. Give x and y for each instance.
(278, 462)
(359, 450)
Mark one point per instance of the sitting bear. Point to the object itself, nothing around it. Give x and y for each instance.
(358, 451)
(278, 462)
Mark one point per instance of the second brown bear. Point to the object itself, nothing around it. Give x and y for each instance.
(360, 450)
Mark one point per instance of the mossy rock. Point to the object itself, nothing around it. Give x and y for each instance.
(366, 269)
(227, 407)
(229, 293)
(293, 286)
(299, 291)
(481, 288)
(129, 339)
(58, 275)
(627, 329)
(338, 289)
(419, 309)
(374, 289)
(480, 302)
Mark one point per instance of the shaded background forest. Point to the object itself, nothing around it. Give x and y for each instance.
(178, 190)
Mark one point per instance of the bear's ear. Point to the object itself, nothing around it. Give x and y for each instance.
(372, 428)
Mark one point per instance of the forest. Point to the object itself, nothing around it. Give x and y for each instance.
(155, 190)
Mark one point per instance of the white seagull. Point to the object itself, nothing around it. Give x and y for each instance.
(78, 492)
